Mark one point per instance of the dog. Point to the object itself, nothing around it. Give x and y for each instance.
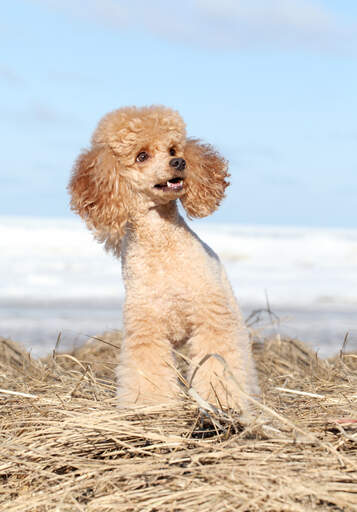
(126, 187)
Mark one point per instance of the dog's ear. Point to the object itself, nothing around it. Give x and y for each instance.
(98, 195)
(206, 179)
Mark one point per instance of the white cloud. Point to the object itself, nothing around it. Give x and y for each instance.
(295, 14)
(37, 112)
(276, 23)
(102, 11)
(229, 24)
(10, 76)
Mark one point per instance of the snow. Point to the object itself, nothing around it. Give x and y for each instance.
(55, 277)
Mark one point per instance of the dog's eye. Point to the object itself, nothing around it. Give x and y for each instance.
(142, 156)
(172, 151)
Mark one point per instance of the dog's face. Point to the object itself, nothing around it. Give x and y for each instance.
(141, 158)
(149, 150)
(158, 171)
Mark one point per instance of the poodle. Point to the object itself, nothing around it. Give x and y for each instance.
(126, 188)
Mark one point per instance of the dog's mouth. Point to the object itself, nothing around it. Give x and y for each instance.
(175, 185)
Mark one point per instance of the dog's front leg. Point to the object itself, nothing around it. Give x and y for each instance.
(146, 372)
(222, 370)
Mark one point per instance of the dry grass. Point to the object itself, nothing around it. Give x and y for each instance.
(69, 448)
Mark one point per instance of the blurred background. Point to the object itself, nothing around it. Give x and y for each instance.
(272, 84)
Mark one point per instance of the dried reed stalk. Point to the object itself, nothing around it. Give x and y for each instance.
(67, 447)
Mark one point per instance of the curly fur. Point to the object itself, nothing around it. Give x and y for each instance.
(176, 288)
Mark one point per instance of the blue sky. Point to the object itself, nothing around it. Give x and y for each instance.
(271, 83)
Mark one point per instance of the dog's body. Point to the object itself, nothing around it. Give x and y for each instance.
(177, 291)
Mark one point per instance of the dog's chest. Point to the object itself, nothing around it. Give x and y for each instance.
(180, 272)
(171, 285)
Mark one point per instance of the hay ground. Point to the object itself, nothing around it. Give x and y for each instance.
(68, 448)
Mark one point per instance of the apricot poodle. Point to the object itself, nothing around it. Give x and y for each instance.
(126, 188)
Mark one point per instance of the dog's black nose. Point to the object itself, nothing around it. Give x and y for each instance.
(178, 163)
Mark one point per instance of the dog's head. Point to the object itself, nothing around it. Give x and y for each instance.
(140, 158)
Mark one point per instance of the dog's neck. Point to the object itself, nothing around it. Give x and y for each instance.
(157, 225)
